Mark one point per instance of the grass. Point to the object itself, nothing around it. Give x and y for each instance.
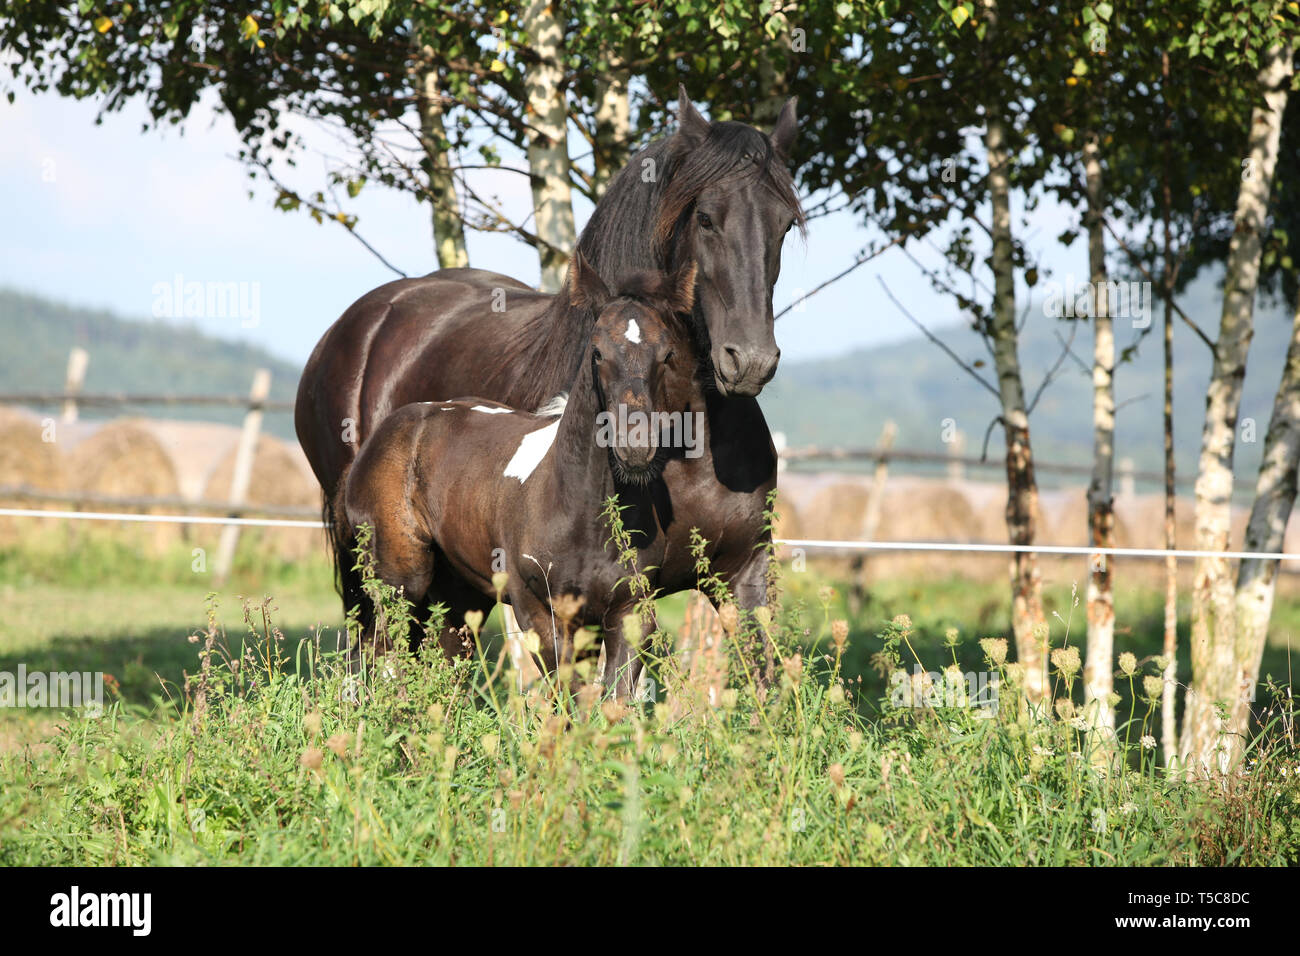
(276, 754)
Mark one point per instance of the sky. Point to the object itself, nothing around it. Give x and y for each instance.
(111, 216)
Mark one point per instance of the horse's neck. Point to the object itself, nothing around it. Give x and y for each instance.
(580, 466)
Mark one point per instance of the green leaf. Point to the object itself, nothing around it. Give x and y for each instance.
(959, 15)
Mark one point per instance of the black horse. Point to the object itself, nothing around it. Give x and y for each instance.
(718, 193)
(444, 485)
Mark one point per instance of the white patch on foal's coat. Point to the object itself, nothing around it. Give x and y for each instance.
(493, 411)
(531, 452)
(633, 332)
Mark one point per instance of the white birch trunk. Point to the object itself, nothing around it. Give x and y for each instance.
(448, 227)
(1027, 616)
(1098, 672)
(1206, 744)
(613, 122)
(548, 147)
(1275, 494)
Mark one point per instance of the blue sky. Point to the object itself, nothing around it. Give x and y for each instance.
(103, 215)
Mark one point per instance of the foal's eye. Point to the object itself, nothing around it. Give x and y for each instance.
(789, 227)
(596, 356)
(668, 359)
(703, 219)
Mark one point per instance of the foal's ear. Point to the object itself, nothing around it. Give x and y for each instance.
(787, 124)
(691, 125)
(683, 294)
(586, 288)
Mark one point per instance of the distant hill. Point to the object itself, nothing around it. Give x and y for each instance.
(133, 356)
(838, 401)
(846, 400)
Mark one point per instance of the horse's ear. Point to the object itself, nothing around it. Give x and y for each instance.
(787, 124)
(691, 125)
(586, 288)
(683, 294)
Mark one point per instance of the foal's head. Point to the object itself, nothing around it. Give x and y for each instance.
(642, 360)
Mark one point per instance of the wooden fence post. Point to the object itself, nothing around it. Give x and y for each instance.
(956, 449)
(243, 473)
(78, 359)
(871, 514)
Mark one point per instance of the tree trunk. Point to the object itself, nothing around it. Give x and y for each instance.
(1275, 494)
(1027, 618)
(448, 227)
(1169, 692)
(613, 121)
(1215, 675)
(548, 147)
(1099, 669)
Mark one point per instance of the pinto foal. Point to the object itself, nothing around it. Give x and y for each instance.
(465, 487)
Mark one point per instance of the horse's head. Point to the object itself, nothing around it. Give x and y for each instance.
(728, 202)
(642, 360)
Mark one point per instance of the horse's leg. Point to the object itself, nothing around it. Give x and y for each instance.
(623, 663)
(749, 589)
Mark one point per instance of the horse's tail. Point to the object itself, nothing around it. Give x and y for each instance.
(339, 531)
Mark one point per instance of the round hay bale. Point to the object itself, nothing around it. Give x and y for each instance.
(124, 459)
(26, 461)
(277, 479)
(787, 519)
(836, 512)
(928, 512)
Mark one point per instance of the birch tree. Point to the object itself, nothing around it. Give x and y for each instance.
(1216, 682)
(547, 108)
(1099, 660)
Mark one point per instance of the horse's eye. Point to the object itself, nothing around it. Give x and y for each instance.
(596, 356)
(703, 219)
(668, 359)
(789, 227)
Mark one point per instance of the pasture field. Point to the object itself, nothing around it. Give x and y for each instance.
(275, 755)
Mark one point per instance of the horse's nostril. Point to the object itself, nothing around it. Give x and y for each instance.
(730, 363)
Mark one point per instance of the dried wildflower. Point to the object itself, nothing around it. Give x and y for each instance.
(793, 667)
(730, 697)
(1065, 709)
(1066, 661)
(1161, 661)
(951, 637)
(839, 634)
(1148, 742)
(903, 622)
(1128, 663)
(763, 614)
(499, 582)
(489, 743)
(568, 606)
(339, 744)
(825, 594)
(995, 649)
(312, 758)
(729, 615)
(1041, 633)
(1015, 674)
(474, 620)
(1152, 687)
(855, 740)
(311, 723)
(836, 772)
(1112, 699)
(835, 695)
